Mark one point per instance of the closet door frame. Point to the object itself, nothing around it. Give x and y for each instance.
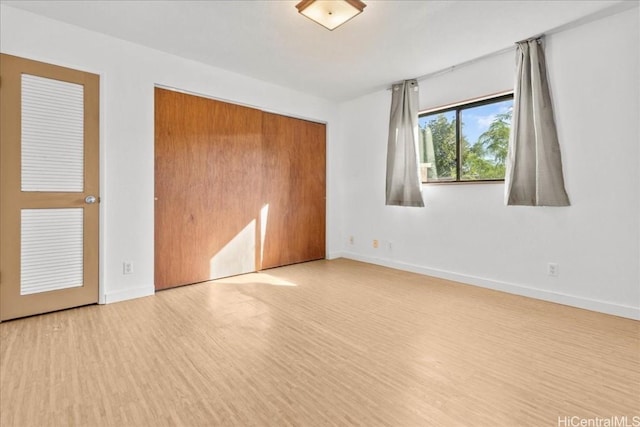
(168, 232)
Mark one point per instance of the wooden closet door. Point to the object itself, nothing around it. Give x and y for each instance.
(207, 188)
(293, 190)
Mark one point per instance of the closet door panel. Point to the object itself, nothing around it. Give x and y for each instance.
(207, 188)
(293, 190)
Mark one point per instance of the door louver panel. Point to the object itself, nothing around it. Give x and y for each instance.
(52, 135)
(51, 249)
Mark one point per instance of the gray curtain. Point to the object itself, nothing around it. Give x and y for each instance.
(534, 166)
(403, 181)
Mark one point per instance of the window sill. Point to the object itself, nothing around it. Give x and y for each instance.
(489, 181)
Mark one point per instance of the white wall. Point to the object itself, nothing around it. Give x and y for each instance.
(128, 75)
(466, 233)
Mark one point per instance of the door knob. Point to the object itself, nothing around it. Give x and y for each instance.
(90, 199)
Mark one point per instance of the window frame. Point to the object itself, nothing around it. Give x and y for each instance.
(457, 108)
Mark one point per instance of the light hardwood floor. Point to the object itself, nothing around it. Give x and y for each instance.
(315, 344)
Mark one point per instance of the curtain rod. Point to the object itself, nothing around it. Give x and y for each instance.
(465, 63)
(611, 10)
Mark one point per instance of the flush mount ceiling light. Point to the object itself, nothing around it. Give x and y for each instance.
(330, 13)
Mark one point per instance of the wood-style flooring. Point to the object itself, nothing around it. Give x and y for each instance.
(320, 344)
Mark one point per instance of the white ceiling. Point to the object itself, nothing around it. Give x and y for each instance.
(270, 41)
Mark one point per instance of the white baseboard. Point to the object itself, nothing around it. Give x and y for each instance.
(142, 291)
(556, 297)
(335, 255)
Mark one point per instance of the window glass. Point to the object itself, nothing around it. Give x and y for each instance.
(475, 149)
(484, 140)
(437, 146)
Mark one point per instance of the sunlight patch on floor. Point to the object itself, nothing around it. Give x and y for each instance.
(256, 279)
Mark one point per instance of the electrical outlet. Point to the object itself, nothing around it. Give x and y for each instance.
(375, 243)
(127, 267)
(351, 240)
(552, 269)
(389, 246)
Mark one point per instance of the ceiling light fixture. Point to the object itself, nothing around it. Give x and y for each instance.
(330, 13)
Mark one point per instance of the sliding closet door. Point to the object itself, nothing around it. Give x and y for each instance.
(207, 188)
(293, 190)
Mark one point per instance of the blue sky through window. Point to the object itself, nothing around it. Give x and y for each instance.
(475, 120)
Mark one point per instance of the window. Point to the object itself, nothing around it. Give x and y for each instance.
(467, 142)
